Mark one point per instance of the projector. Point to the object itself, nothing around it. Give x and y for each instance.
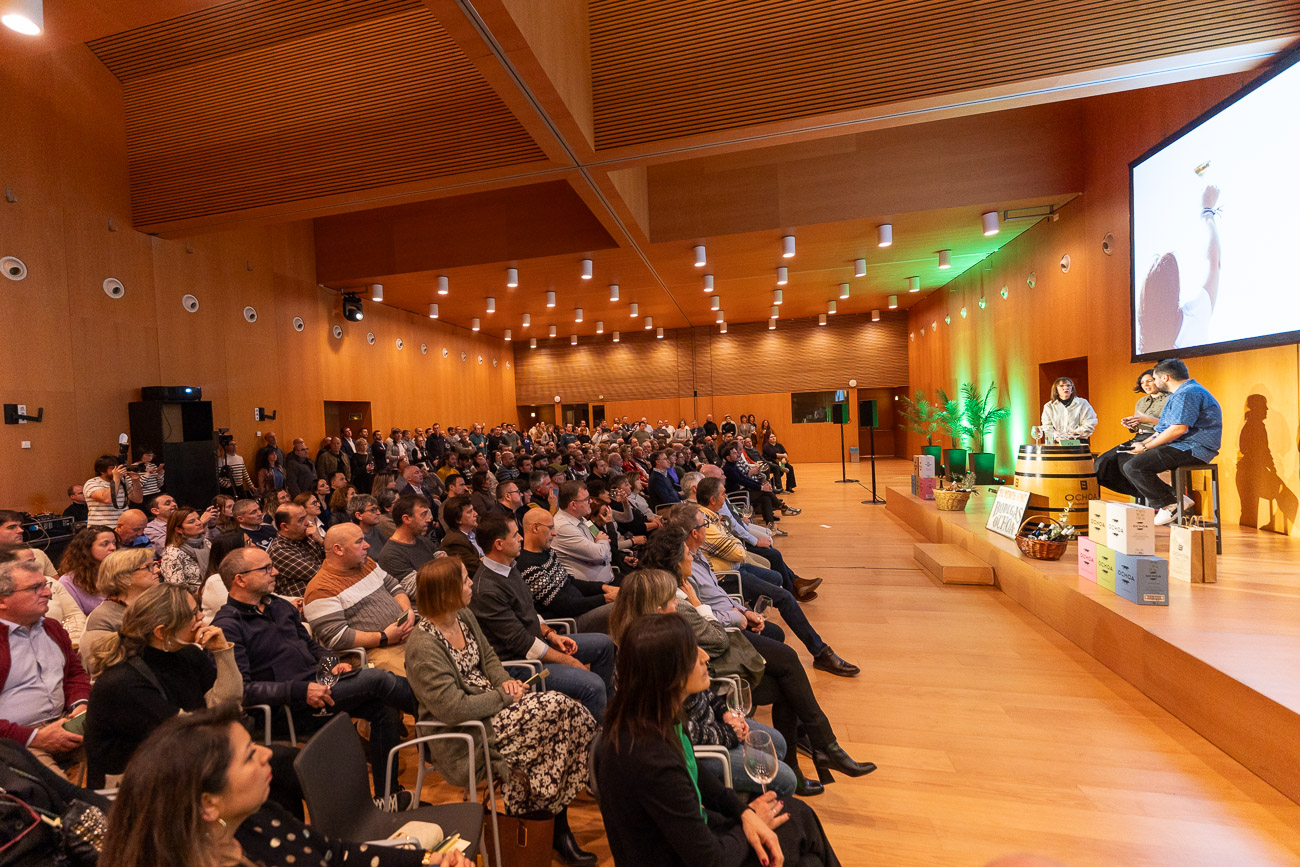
(171, 393)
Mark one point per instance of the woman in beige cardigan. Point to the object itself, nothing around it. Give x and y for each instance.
(539, 741)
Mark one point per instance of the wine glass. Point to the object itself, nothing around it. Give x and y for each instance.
(761, 604)
(1037, 433)
(740, 699)
(326, 677)
(760, 758)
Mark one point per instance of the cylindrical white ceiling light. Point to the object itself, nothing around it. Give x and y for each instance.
(633, 309)
(844, 290)
(990, 220)
(776, 311)
(700, 259)
(787, 246)
(708, 282)
(659, 333)
(473, 324)
(444, 285)
(771, 325)
(573, 340)
(893, 302)
(715, 303)
(821, 318)
(616, 337)
(512, 278)
(551, 331)
(508, 336)
(528, 319)
(577, 314)
(491, 304)
(376, 291)
(550, 299)
(831, 307)
(945, 260)
(884, 234)
(587, 266)
(721, 315)
(913, 284)
(782, 276)
(433, 311)
(778, 297)
(649, 323)
(613, 291)
(875, 315)
(24, 16)
(859, 267)
(722, 327)
(600, 326)
(532, 343)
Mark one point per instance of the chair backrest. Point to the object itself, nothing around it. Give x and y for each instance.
(335, 781)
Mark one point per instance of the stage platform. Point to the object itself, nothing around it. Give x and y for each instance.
(1224, 658)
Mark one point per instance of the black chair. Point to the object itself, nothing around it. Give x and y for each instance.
(336, 787)
(1182, 486)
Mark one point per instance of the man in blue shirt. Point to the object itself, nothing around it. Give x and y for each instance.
(1189, 432)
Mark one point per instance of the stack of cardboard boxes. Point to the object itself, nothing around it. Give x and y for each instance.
(1119, 552)
(924, 481)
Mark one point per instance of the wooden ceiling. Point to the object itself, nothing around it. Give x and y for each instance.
(464, 136)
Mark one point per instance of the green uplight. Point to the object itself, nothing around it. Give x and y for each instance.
(963, 313)
(983, 303)
(1005, 292)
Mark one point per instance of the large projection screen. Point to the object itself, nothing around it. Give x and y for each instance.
(1215, 220)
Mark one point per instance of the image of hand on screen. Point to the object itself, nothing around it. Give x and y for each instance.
(1170, 316)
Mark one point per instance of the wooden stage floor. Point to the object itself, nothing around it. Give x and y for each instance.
(994, 733)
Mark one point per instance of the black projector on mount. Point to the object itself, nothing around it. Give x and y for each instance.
(171, 393)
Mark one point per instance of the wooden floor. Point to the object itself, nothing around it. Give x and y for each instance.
(994, 734)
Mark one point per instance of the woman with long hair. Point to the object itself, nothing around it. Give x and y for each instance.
(708, 721)
(539, 741)
(195, 795)
(270, 475)
(383, 481)
(1068, 415)
(185, 559)
(225, 521)
(161, 661)
(363, 466)
(79, 567)
(311, 503)
(123, 576)
(652, 797)
(339, 504)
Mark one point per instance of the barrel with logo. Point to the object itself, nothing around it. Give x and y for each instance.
(1062, 474)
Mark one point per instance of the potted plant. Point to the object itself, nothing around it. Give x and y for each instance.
(981, 418)
(921, 419)
(953, 421)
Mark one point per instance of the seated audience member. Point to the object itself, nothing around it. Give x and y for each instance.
(676, 815)
(123, 576)
(278, 662)
(76, 508)
(223, 510)
(541, 493)
(111, 491)
(299, 471)
(160, 662)
(248, 515)
(129, 530)
(63, 607)
(353, 603)
(271, 503)
(295, 551)
(42, 683)
(479, 494)
(338, 504)
(456, 486)
(363, 510)
(622, 547)
(725, 551)
(539, 741)
(758, 542)
(316, 526)
(385, 500)
(555, 592)
(775, 454)
(510, 500)
(583, 548)
(196, 793)
(1069, 416)
(1190, 431)
(11, 533)
(1142, 423)
(663, 490)
(707, 720)
(460, 519)
(80, 565)
(321, 494)
(760, 493)
(214, 591)
(632, 522)
(409, 547)
(185, 559)
(783, 682)
(159, 508)
(580, 665)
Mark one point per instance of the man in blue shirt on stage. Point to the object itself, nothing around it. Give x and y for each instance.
(1189, 432)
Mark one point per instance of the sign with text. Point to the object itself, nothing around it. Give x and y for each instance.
(1008, 511)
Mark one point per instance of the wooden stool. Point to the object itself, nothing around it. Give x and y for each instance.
(1182, 475)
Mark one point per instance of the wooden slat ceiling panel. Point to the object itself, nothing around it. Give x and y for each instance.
(366, 94)
(662, 71)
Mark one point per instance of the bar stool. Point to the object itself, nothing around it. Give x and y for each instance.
(1182, 476)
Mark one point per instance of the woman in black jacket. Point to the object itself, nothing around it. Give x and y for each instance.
(674, 815)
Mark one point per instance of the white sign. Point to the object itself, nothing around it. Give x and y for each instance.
(1008, 511)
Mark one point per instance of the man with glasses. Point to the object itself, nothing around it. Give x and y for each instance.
(42, 683)
(510, 501)
(363, 509)
(582, 547)
(248, 515)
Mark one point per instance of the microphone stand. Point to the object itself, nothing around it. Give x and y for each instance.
(874, 501)
(844, 479)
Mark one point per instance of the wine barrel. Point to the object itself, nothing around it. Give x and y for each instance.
(1062, 474)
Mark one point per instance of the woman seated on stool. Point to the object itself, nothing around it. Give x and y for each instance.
(1142, 423)
(1069, 416)
(675, 815)
(195, 795)
(774, 453)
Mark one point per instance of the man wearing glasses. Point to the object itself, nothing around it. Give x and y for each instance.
(581, 546)
(42, 683)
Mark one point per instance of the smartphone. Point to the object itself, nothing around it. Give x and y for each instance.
(76, 724)
(401, 618)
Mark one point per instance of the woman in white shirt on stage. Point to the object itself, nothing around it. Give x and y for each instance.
(1069, 416)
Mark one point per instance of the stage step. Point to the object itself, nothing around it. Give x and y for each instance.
(952, 565)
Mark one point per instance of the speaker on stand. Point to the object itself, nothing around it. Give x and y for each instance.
(840, 416)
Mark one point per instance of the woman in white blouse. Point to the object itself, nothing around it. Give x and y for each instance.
(1069, 416)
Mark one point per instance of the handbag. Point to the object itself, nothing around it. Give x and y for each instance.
(740, 658)
(526, 840)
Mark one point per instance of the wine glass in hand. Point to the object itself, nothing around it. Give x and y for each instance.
(739, 699)
(326, 677)
(760, 758)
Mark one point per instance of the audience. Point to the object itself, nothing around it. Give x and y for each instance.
(409, 547)
(123, 576)
(556, 593)
(582, 547)
(316, 527)
(11, 533)
(63, 607)
(80, 565)
(299, 471)
(295, 551)
(185, 559)
(129, 530)
(76, 508)
(159, 508)
(460, 519)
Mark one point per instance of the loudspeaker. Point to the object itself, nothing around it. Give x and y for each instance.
(840, 413)
(173, 393)
(191, 472)
(154, 422)
(867, 416)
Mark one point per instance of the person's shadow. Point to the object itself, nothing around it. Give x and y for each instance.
(1257, 478)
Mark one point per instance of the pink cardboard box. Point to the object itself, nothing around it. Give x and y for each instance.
(1088, 557)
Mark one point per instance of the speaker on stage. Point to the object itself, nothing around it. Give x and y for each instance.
(840, 413)
(867, 416)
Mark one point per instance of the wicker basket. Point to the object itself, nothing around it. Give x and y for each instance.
(951, 501)
(1041, 549)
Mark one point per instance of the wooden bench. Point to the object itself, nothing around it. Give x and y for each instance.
(952, 564)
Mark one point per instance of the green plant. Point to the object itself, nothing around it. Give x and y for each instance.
(952, 419)
(981, 415)
(920, 416)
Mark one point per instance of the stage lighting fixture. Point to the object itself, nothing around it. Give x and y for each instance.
(616, 337)
(532, 343)
(722, 327)
(633, 310)
(771, 325)
(831, 307)
(573, 340)
(577, 314)
(659, 333)
(721, 315)
(352, 311)
(600, 326)
(776, 312)
(884, 234)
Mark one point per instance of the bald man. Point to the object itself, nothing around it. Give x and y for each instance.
(353, 603)
(130, 530)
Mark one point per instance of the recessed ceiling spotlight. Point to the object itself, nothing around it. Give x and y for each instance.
(844, 290)
(787, 247)
(433, 311)
(587, 266)
(444, 285)
(884, 234)
(913, 284)
(700, 259)
(859, 267)
(782, 276)
(990, 221)
(512, 278)
(945, 260)
(550, 299)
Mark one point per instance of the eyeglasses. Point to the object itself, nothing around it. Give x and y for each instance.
(263, 569)
(44, 586)
(155, 566)
(701, 526)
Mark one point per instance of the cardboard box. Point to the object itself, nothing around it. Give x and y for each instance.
(924, 488)
(1088, 558)
(1142, 579)
(1130, 528)
(923, 466)
(1106, 568)
(1097, 520)
(1193, 554)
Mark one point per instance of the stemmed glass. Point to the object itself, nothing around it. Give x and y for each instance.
(739, 699)
(1037, 433)
(760, 758)
(326, 677)
(761, 604)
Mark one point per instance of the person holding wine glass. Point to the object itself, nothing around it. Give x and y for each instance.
(327, 675)
(674, 815)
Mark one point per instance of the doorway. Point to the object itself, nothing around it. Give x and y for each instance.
(1074, 368)
(531, 414)
(354, 414)
(575, 413)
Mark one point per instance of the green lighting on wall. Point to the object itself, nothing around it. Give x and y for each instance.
(963, 313)
(947, 320)
(1005, 292)
(983, 303)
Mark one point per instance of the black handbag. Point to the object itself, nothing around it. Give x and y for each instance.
(44, 819)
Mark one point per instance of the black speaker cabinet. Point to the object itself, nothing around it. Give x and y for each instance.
(191, 472)
(840, 413)
(867, 416)
(154, 422)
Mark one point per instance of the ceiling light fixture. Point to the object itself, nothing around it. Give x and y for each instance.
(24, 16)
(600, 326)
(787, 247)
(722, 327)
(577, 314)
(721, 316)
(659, 333)
(587, 266)
(990, 220)
(782, 276)
(708, 282)
(913, 284)
(771, 325)
(893, 302)
(884, 234)
(551, 331)
(473, 324)
(550, 299)
(613, 291)
(512, 278)
(778, 297)
(528, 319)
(844, 290)
(945, 260)
(776, 312)
(821, 318)
(700, 259)
(616, 337)
(444, 285)
(715, 303)
(649, 323)
(491, 304)
(832, 307)
(983, 303)
(633, 310)
(859, 267)
(508, 336)
(875, 315)
(433, 311)
(573, 340)
(376, 291)
(532, 343)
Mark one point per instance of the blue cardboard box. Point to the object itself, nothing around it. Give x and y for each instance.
(1142, 578)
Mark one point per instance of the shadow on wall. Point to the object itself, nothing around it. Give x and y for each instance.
(1259, 486)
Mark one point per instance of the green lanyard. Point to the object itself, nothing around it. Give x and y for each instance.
(691, 768)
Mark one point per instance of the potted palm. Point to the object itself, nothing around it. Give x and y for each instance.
(982, 416)
(921, 418)
(953, 421)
